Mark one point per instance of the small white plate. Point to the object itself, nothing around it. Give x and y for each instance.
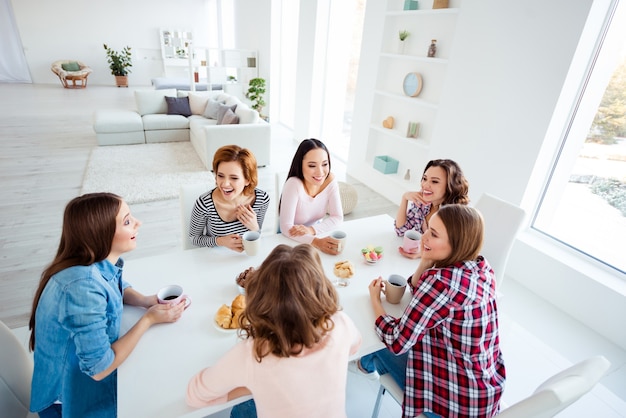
(225, 330)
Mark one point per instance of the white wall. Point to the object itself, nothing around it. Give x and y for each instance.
(507, 70)
(66, 29)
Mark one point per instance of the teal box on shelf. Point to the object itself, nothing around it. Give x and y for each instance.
(410, 4)
(385, 164)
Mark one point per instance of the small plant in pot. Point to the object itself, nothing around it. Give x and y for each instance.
(119, 63)
(256, 90)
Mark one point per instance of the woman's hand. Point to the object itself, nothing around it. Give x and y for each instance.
(299, 230)
(415, 197)
(247, 217)
(375, 288)
(413, 254)
(165, 312)
(328, 245)
(233, 242)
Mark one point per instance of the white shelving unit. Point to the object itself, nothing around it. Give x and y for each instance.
(392, 64)
(176, 46)
(242, 64)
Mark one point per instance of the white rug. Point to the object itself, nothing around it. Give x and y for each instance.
(145, 172)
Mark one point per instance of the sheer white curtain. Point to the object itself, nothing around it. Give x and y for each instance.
(13, 65)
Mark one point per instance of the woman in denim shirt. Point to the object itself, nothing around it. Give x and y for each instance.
(77, 309)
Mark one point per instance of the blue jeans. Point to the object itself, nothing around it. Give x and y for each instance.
(384, 361)
(53, 411)
(245, 409)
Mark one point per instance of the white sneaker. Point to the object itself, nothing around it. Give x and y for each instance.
(353, 367)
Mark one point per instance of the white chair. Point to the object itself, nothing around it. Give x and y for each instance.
(560, 391)
(279, 179)
(387, 384)
(502, 222)
(189, 193)
(16, 371)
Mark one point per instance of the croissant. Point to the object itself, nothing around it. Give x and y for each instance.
(239, 303)
(236, 322)
(224, 316)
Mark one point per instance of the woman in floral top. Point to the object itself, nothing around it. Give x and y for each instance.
(450, 327)
(442, 183)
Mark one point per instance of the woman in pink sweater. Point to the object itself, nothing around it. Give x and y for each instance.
(310, 192)
(295, 338)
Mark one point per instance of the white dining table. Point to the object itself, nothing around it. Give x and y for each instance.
(153, 380)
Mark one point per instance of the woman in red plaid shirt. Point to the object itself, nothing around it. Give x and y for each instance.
(450, 328)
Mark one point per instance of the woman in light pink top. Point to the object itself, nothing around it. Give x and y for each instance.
(295, 343)
(310, 192)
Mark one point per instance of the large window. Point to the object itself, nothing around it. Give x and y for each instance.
(584, 203)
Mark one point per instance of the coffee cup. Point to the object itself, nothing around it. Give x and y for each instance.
(411, 241)
(394, 288)
(251, 242)
(341, 237)
(173, 295)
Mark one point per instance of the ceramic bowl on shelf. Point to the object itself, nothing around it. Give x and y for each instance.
(372, 254)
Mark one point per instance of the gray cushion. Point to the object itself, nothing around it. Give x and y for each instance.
(222, 111)
(229, 118)
(178, 106)
(212, 106)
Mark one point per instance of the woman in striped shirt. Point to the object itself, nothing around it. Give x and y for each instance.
(222, 215)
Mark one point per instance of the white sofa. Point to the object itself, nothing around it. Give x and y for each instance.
(151, 123)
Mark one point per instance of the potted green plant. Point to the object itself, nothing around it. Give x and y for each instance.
(256, 90)
(119, 63)
(403, 34)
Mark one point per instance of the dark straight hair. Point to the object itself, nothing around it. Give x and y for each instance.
(305, 146)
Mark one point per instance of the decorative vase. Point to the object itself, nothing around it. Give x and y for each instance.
(401, 47)
(432, 49)
(121, 80)
(407, 176)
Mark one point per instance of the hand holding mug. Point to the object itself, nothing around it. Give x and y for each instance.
(375, 288)
(232, 241)
(328, 245)
(394, 288)
(165, 313)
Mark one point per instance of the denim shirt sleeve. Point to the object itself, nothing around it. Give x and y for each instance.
(89, 328)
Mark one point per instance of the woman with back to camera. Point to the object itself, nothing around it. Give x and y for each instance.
(310, 192)
(294, 338)
(221, 216)
(77, 309)
(449, 331)
(442, 183)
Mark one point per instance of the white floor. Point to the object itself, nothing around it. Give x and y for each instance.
(537, 341)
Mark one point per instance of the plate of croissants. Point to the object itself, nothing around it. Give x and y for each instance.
(228, 318)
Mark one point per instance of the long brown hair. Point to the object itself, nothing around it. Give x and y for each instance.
(465, 228)
(457, 186)
(289, 302)
(86, 238)
(245, 158)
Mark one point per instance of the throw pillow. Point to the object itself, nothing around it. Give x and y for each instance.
(70, 66)
(222, 111)
(229, 118)
(212, 106)
(197, 103)
(247, 115)
(178, 106)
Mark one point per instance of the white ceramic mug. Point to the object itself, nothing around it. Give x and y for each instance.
(251, 242)
(411, 241)
(173, 294)
(394, 288)
(341, 237)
